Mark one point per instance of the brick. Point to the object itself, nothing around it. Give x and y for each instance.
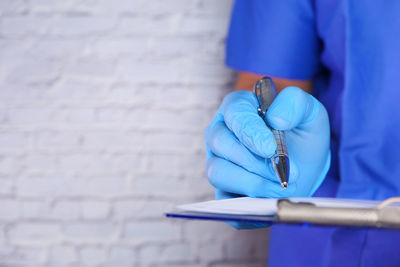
(127, 163)
(121, 256)
(166, 163)
(18, 27)
(80, 26)
(34, 232)
(121, 47)
(27, 71)
(78, 116)
(207, 231)
(127, 209)
(134, 209)
(207, 96)
(150, 231)
(92, 209)
(150, 253)
(13, 140)
(196, 162)
(202, 73)
(173, 120)
(221, 8)
(169, 141)
(178, 71)
(112, 115)
(58, 140)
(33, 116)
(10, 54)
(204, 189)
(175, 47)
(84, 163)
(172, 6)
(21, 96)
(121, 118)
(37, 186)
(90, 67)
(54, 49)
(143, 26)
(12, 7)
(104, 7)
(200, 25)
(74, 91)
(160, 186)
(112, 139)
(29, 255)
(210, 251)
(90, 232)
(35, 209)
(4, 116)
(64, 254)
(93, 256)
(6, 250)
(9, 165)
(92, 187)
(129, 71)
(3, 233)
(107, 186)
(66, 210)
(133, 95)
(174, 97)
(180, 252)
(9, 209)
(6, 186)
(101, 186)
(49, 7)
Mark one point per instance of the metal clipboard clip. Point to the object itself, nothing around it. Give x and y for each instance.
(384, 215)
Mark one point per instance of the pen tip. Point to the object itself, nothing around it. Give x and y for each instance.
(284, 185)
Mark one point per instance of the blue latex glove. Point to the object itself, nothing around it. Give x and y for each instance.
(238, 143)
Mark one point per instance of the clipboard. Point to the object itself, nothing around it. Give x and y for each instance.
(315, 211)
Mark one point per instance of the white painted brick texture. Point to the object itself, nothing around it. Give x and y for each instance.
(102, 110)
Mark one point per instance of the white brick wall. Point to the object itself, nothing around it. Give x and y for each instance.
(102, 110)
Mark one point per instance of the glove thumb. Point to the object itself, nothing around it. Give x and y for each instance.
(291, 108)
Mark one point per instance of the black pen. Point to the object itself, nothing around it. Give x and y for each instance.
(266, 92)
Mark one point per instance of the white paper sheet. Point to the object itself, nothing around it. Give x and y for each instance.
(267, 206)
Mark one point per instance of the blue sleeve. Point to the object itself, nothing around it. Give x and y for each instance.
(274, 37)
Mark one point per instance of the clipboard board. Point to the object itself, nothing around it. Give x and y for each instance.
(315, 211)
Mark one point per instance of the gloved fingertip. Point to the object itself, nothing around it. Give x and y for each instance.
(269, 147)
(278, 123)
(261, 142)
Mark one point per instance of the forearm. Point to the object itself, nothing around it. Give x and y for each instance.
(245, 81)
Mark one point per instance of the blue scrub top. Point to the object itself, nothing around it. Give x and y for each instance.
(352, 51)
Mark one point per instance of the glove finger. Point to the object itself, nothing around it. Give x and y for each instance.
(217, 118)
(239, 110)
(219, 194)
(291, 108)
(229, 177)
(224, 144)
(207, 132)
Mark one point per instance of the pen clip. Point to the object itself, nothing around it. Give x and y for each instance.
(257, 91)
(265, 91)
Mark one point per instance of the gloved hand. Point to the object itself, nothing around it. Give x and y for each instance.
(238, 143)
